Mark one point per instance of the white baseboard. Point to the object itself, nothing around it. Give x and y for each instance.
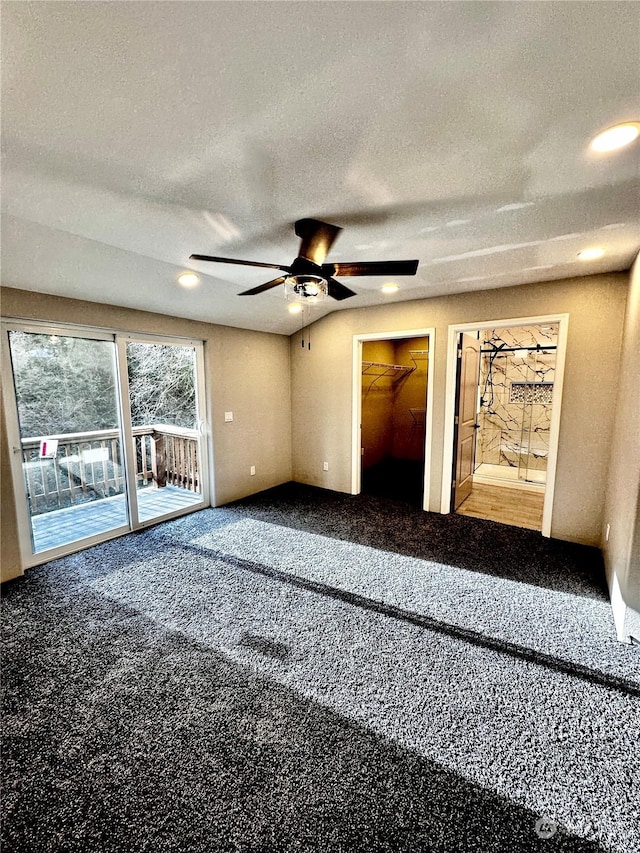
(509, 484)
(624, 617)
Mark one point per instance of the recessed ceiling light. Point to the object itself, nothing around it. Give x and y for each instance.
(616, 137)
(188, 279)
(295, 308)
(389, 288)
(590, 254)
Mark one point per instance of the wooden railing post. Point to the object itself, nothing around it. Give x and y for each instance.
(158, 460)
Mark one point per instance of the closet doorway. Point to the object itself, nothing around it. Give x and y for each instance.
(504, 390)
(392, 416)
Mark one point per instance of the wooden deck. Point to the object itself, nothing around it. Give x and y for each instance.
(61, 526)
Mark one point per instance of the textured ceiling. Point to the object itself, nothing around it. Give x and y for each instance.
(457, 133)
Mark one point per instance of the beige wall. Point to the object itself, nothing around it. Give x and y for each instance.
(249, 372)
(322, 386)
(246, 373)
(622, 507)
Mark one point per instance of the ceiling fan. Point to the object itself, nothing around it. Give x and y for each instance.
(308, 276)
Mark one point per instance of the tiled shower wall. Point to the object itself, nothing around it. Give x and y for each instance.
(515, 410)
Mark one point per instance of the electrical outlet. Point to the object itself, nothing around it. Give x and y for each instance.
(325, 466)
(252, 470)
(228, 417)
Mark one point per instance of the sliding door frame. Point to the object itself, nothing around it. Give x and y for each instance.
(122, 339)
(119, 340)
(25, 541)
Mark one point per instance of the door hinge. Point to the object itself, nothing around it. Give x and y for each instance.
(459, 353)
(455, 421)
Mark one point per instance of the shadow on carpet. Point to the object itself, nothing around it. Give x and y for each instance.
(468, 543)
(124, 736)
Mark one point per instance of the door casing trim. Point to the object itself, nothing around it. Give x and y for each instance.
(450, 394)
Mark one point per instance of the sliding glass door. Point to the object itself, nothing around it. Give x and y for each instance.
(70, 443)
(166, 426)
(106, 433)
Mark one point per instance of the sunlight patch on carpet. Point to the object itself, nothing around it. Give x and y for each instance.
(417, 687)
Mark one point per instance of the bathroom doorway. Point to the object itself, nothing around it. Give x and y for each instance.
(392, 418)
(505, 420)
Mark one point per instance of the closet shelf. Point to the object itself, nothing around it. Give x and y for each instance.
(379, 369)
(417, 355)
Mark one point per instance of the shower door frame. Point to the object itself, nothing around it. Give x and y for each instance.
(450, 398)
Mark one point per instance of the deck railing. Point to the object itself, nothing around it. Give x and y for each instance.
(90, 465)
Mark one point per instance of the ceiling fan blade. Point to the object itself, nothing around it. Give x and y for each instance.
(337, 290)
(234, 261)
(372, 268)
(261, 287)
(317, 239)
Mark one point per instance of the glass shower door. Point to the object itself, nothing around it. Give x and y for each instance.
(537, 398)
(526, 426)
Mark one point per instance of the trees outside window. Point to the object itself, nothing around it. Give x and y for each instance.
(67, 385)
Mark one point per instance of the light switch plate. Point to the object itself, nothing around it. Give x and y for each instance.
(228, 417)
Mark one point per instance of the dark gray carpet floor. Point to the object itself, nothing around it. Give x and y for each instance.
(308, 671)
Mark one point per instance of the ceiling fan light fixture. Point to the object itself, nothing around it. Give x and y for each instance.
(616, 137)
(308, 288)
(309, 279)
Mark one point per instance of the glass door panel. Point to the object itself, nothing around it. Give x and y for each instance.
(166, 423)
(70, 436)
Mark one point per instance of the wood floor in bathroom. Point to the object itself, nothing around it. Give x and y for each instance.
(509, 506)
